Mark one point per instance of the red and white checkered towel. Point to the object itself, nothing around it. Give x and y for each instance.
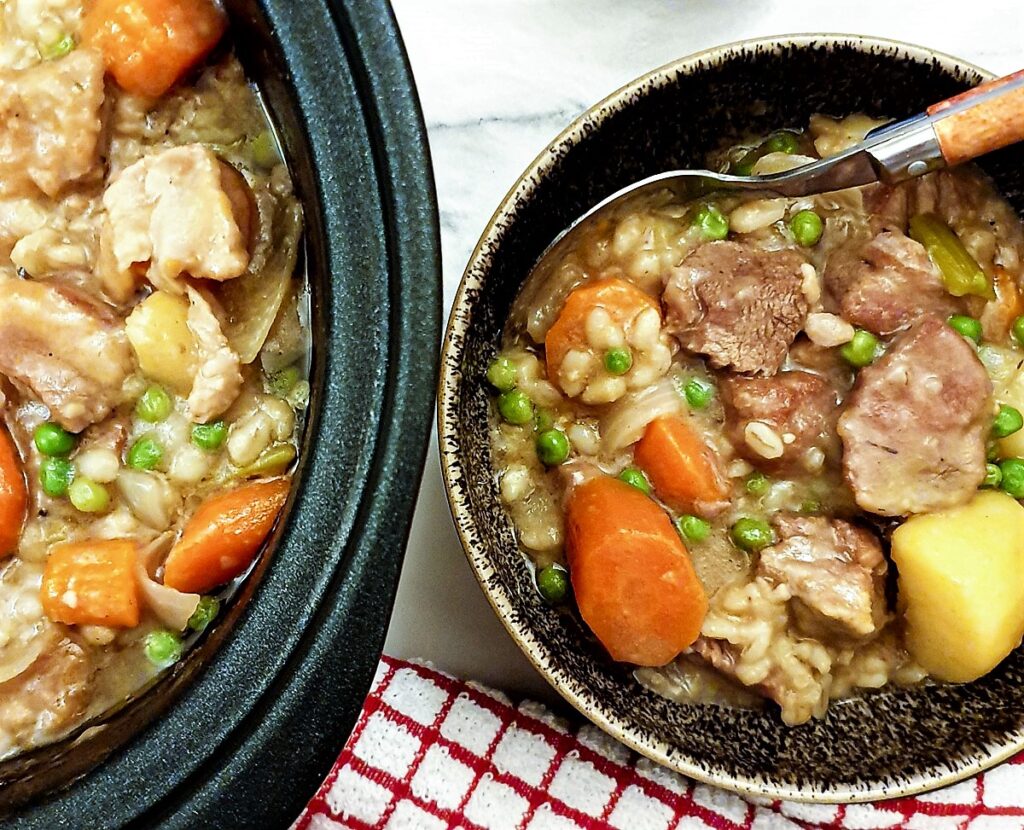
(431, 752)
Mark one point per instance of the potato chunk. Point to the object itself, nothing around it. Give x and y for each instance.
(164, 344)
(961, 585)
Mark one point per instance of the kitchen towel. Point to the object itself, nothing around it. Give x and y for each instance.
(431, 752)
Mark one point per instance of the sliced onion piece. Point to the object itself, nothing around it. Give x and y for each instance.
(627, 418)
(173, 608)
(151, 498)
(16, 658)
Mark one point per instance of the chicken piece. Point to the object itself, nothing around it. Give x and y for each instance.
(50, 124)
(179, 211)
(219, 378)
(69, 352)
(834, 568)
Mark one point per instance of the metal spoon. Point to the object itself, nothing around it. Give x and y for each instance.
(953, 131)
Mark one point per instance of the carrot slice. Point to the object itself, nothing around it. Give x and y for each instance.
(680, 466)
(13, 495)
(622, 300)
(92, 583)
(224, 536)
(633, 580)
(148, 45)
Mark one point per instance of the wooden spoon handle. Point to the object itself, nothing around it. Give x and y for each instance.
(980, 120)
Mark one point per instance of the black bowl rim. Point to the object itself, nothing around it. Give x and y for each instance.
(357, 99)
(448, 427)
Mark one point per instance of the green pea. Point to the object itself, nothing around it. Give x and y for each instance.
(693, 528)
(967, 326)
(64, 45)
(807, 228)
(552, 447)
(55, 476)
(1018, 330)
(553, 583)
(635, 478)
(757, 483)
(810, 506)
(155, 405)
(145, 454)
(992, 451)
(53, 440)
(515, 407)
(281, 383)
(88, 496)
(993, 476)
(712, 222)
(1013, 476)
(162, 648)
(751, 534)
(744, 166)
(209, 436)
(698, 394)
(1007, 421)
(861, 350)
(501, 374)
(618, 361)
(543, 419)
(782, 142)
(204, 614)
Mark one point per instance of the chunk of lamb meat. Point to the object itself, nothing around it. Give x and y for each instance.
(50, 124)
(784, 424)
(886, 284)
(915, 425)
(739, 305)
(219, 377)
(722, 656)
(833, 568)
(888, 206)
(46, 698)
(69, 352)
(176, 212)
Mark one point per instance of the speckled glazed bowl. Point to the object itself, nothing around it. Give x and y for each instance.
(887, 744)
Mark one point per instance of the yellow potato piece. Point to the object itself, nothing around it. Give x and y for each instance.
(961, 585)
(165, 346)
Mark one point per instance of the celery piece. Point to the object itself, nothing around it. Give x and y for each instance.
(961, 273)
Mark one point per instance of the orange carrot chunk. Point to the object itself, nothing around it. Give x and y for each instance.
(148, 45)
(224, 536)
(13, 495)
(92, 583)
(622, 300)
(633, 580)
(680, 466)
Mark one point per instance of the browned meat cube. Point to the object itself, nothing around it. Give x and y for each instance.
(915, 425)
(741, 306)
(69, 352)
(886, 285)
(834, 568)
(784, 424)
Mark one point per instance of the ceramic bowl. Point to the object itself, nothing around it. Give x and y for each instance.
(886, 744)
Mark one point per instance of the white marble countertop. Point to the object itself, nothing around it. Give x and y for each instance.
(498, 80)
